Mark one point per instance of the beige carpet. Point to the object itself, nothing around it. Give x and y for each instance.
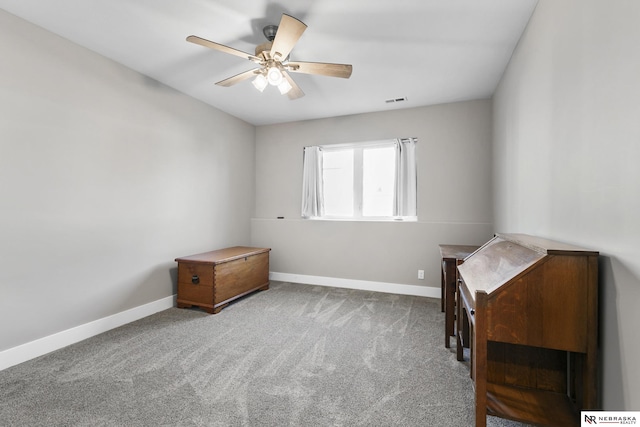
(295, 355)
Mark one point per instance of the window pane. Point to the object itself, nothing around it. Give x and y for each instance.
(337, 174)
(378, 175)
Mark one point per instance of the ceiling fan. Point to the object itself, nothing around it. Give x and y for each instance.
(273, 59)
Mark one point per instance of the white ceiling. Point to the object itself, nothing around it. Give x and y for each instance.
(429, 51)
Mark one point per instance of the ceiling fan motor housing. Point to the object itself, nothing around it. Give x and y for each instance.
(263, 48)
(270, 32)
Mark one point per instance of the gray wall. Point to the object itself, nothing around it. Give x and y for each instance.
(105, 178)
(454, 195)
(567, 143)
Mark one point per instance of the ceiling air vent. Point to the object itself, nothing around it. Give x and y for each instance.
(394, 100)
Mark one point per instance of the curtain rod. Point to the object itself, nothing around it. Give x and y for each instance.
(374, 142)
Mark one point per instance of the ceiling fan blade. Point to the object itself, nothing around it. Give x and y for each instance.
(288, 34)
(322, 68)
(222, 48)
(295, 92)
(238, 78)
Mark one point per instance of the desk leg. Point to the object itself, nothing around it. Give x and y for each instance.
(589, 377)
(479, 358)
(462, 324)
(450, 301)
(442, 287)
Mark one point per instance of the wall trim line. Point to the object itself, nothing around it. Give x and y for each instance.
(363, 285)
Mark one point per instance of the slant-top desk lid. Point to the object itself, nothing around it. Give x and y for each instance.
(507, 257)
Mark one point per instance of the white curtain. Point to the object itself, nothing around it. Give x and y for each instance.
(312, 190)
(406, 182)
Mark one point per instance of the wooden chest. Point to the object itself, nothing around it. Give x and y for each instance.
(211, 280)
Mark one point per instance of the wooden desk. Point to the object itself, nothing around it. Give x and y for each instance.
(211, 280)
(533, 308)
(452, 256)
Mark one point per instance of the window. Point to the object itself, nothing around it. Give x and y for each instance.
(364, 181)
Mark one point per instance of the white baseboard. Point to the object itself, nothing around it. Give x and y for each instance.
(39, 347)
(364, 285)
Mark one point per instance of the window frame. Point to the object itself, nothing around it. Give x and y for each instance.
(358, 184)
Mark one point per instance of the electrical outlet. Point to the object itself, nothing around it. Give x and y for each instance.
(421, 274)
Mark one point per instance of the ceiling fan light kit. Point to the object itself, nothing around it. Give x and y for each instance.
(274, 76)
(273, 59)
(284, 87)
(260, 82)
